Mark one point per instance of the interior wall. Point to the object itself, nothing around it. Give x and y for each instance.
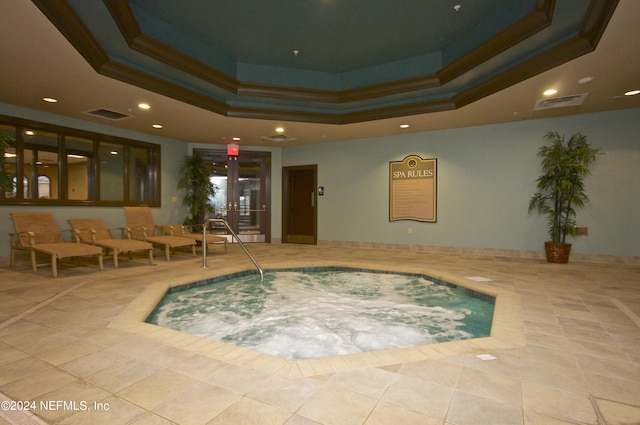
(486, 176)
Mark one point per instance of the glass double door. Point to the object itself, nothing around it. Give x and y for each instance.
(242, 192)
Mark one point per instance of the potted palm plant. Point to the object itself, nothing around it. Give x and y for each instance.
(565, 164)
(196, 181)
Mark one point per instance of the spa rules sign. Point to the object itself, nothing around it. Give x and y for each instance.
(412, 189)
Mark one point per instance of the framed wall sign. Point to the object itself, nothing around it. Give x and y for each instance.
(412, 189)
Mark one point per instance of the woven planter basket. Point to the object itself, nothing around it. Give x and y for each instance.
(557, 252)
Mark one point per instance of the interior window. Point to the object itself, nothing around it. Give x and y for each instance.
(80, 164)
(44, 187)
(111, 172)
(40, 161)
(8, 160)
(51, 165)
(141, 164)
(25, 188)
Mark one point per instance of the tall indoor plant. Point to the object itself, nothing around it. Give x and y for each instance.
(196, 182)
(565, 164)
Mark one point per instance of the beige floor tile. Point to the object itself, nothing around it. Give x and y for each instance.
(104, 336)
(251, 412)
(535, 418)
(94, 362)
(67, 352)
(618, 413)
(38, 340)
(335, 406)
(19, 369)
(299, 420)
(9, 354)
(48, 380)
(614, 389)
(235, 378)
(420, 396)
(77, 395)
(198, 366)
(156, 389)
(198, 404)
(548, 355)
(123, 375)
(507, 363)
(386, 414)
(539, 327)
(111, 410)
(559, 404)
(435, 371)
(150, 419)
(288, 394)
(604, 367)
(565, 378)
(561, 340)
(599, 350)
(499, 388)
(370, 382)
(469, 409)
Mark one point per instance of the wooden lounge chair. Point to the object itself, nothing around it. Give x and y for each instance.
(94, 231)
(180, 230)
(141, 227)
(39, 233)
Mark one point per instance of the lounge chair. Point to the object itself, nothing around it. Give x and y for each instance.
(93, 231)
(180, 230)
(141, 227)
(39, 233)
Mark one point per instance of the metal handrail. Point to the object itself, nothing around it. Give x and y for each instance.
(233, 234)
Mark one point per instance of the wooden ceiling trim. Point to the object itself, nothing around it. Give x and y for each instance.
(529, 25)
(71, 27)
(69, 24)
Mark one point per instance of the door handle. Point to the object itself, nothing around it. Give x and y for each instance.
(313, 199)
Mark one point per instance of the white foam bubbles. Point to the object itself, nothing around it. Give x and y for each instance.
(301, 316)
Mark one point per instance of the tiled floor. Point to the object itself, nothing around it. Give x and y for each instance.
(566, 345)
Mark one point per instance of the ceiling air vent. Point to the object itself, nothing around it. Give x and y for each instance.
(278, 138)
(561, 102)
(108, 114)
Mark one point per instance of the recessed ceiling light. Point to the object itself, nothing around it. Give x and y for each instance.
(158, 126)
(404, 125)
(632, 93)
(585, 80)
(29, 132)
(144, 106)
(50, 99)
(279, 130)
(237, 139)
(550, 92)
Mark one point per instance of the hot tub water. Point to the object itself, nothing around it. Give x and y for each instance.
(301, 315)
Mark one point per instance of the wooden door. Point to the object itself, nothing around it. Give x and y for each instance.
(299, 209)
